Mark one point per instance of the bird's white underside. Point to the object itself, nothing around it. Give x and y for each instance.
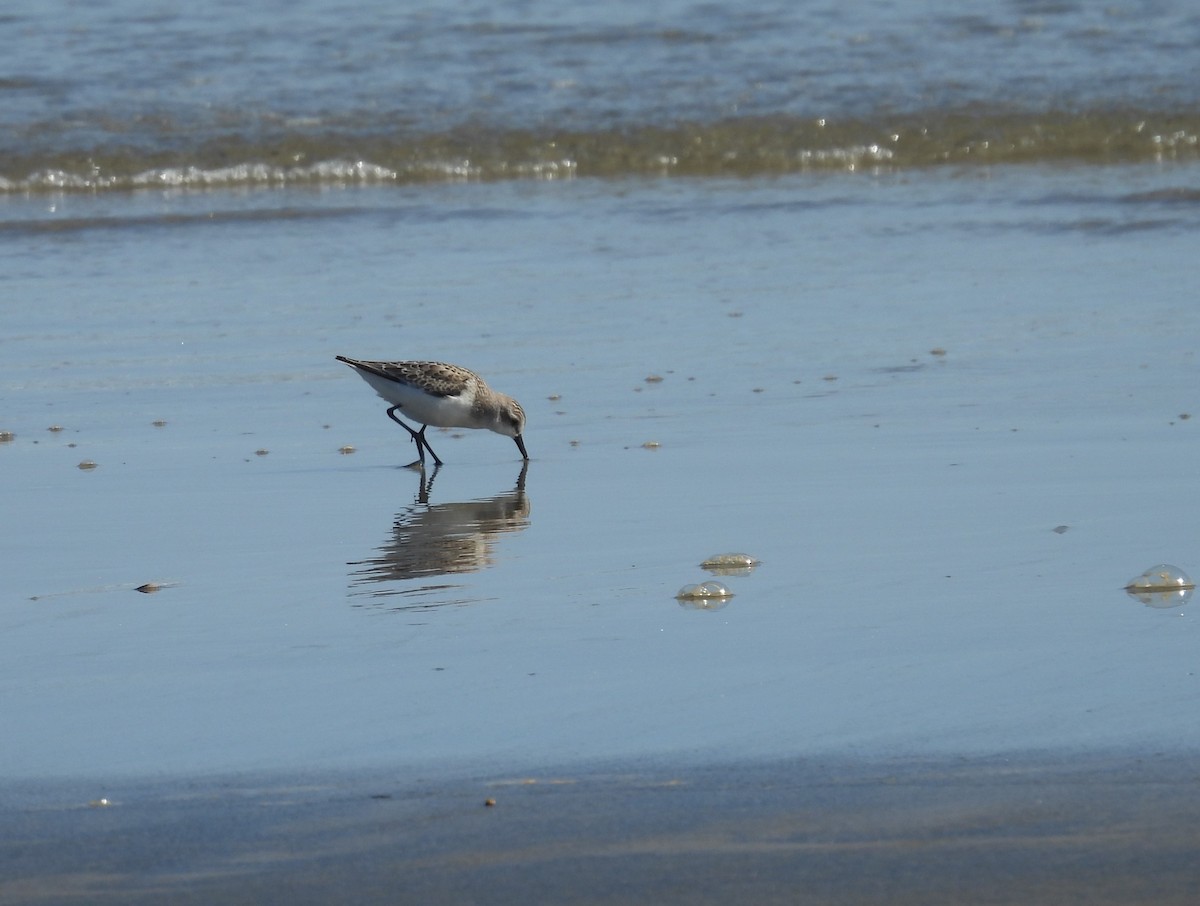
(420, 407)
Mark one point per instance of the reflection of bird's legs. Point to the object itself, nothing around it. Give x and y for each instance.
(427, 484)
(418, 438)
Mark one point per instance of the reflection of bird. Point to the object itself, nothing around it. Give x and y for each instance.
(443, 539)
(447, 396)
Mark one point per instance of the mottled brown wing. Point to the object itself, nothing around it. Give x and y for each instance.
(435, 378)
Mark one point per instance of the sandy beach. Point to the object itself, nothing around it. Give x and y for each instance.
(1112, 829)
(898, 306)
(945, 511)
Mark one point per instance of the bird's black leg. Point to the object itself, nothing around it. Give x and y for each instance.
(418, 439)
(420, 435)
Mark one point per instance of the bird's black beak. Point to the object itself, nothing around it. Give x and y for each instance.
(521, 447)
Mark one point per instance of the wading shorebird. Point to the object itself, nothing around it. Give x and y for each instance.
(442, 395)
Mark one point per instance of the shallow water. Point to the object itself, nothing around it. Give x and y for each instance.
(108, 97)
(891, 390)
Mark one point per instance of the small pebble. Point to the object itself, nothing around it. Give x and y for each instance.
(654, 379)
(148, 589)
(489, 803)
(261, 452)
(87, 464)
(7, 437)
(346, 449)
(55, 428)
(651, 445)
(158, 423)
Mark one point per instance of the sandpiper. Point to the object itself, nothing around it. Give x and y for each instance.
(447, 396)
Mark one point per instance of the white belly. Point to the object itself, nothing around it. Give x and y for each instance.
(422, 408)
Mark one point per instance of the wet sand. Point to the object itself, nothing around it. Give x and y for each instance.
(1113, 828)
(947, 465)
